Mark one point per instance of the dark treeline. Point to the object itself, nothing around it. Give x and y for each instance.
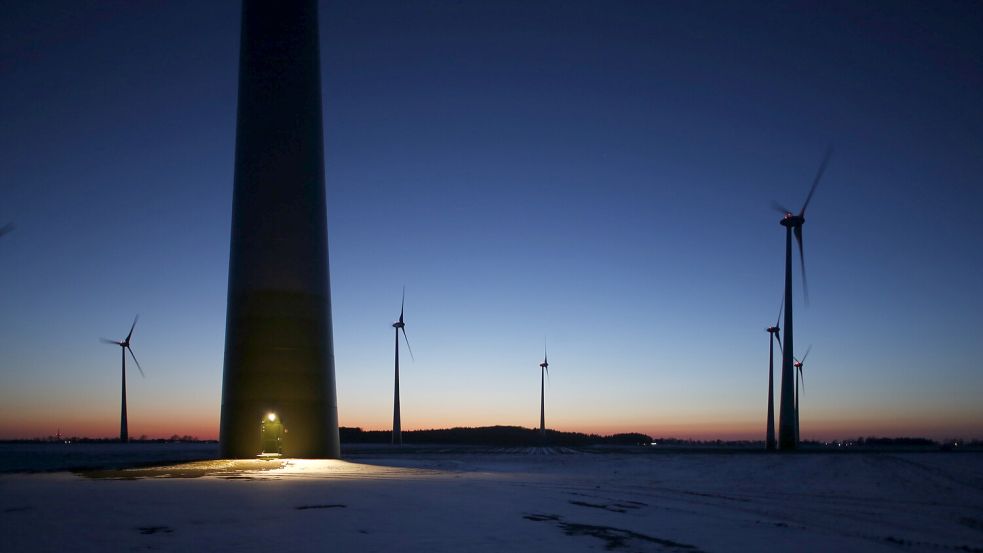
(873, 441)
(491, 435)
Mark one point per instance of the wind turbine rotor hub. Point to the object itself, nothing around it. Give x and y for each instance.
(792, 220)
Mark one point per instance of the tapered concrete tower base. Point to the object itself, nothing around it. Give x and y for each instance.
(279, 355)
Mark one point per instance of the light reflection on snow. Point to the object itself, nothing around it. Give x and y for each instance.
(268, 469)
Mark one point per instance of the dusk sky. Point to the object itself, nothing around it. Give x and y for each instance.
(598, 174)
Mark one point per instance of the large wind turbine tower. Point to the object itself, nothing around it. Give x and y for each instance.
(787, 426)
(544, 369)
(279, 356)
(124, 344)
(397, 437)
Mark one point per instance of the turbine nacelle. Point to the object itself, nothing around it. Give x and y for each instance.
(791, 220)
(773, 329)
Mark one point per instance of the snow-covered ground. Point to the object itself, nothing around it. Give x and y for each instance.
(508, 500)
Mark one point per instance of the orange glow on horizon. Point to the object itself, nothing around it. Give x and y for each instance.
(204, 426)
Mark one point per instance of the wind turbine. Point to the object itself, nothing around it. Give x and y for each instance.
(125, 345)
(544, 370)
(397, 438)
(772, 336)
(800, 378)
(787, 429)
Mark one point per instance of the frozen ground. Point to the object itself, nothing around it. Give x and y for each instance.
(508, 500)
(48, 456)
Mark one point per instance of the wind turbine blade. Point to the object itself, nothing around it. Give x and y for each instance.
(780, 348)
(802, 378)
(402, 303)
(808, 349)
(781, 310)
(802, 261)
(108, 341)
(135, 319)
(407, 340)
(815, 182)
(780, 208)
(547, 367)
(137, 362)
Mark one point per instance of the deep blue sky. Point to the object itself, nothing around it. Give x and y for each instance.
(599, 173)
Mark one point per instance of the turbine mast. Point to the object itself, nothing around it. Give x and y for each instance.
(786, 421)
(796, 407)
(279, 351)
(770, 432)
(397, 438)
(544, 369)
(124, 435)
(542, 400)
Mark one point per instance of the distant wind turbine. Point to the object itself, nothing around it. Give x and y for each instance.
(397, 438)
(6, 229)
(544, 370)
(788, 429)
(772, 336)
(125, 345)
(800, 379)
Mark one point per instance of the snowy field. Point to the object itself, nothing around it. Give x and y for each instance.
(539, 499)
(48, 456)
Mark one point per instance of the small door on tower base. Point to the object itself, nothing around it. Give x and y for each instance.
(271, 433)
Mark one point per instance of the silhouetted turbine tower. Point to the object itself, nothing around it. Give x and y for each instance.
(544, 370)
(799, 379)
(125, 345)
(279, 349)
(787, 439)
(772, 336)
(399, 325)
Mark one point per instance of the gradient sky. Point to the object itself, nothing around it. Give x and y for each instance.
(596, 173)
